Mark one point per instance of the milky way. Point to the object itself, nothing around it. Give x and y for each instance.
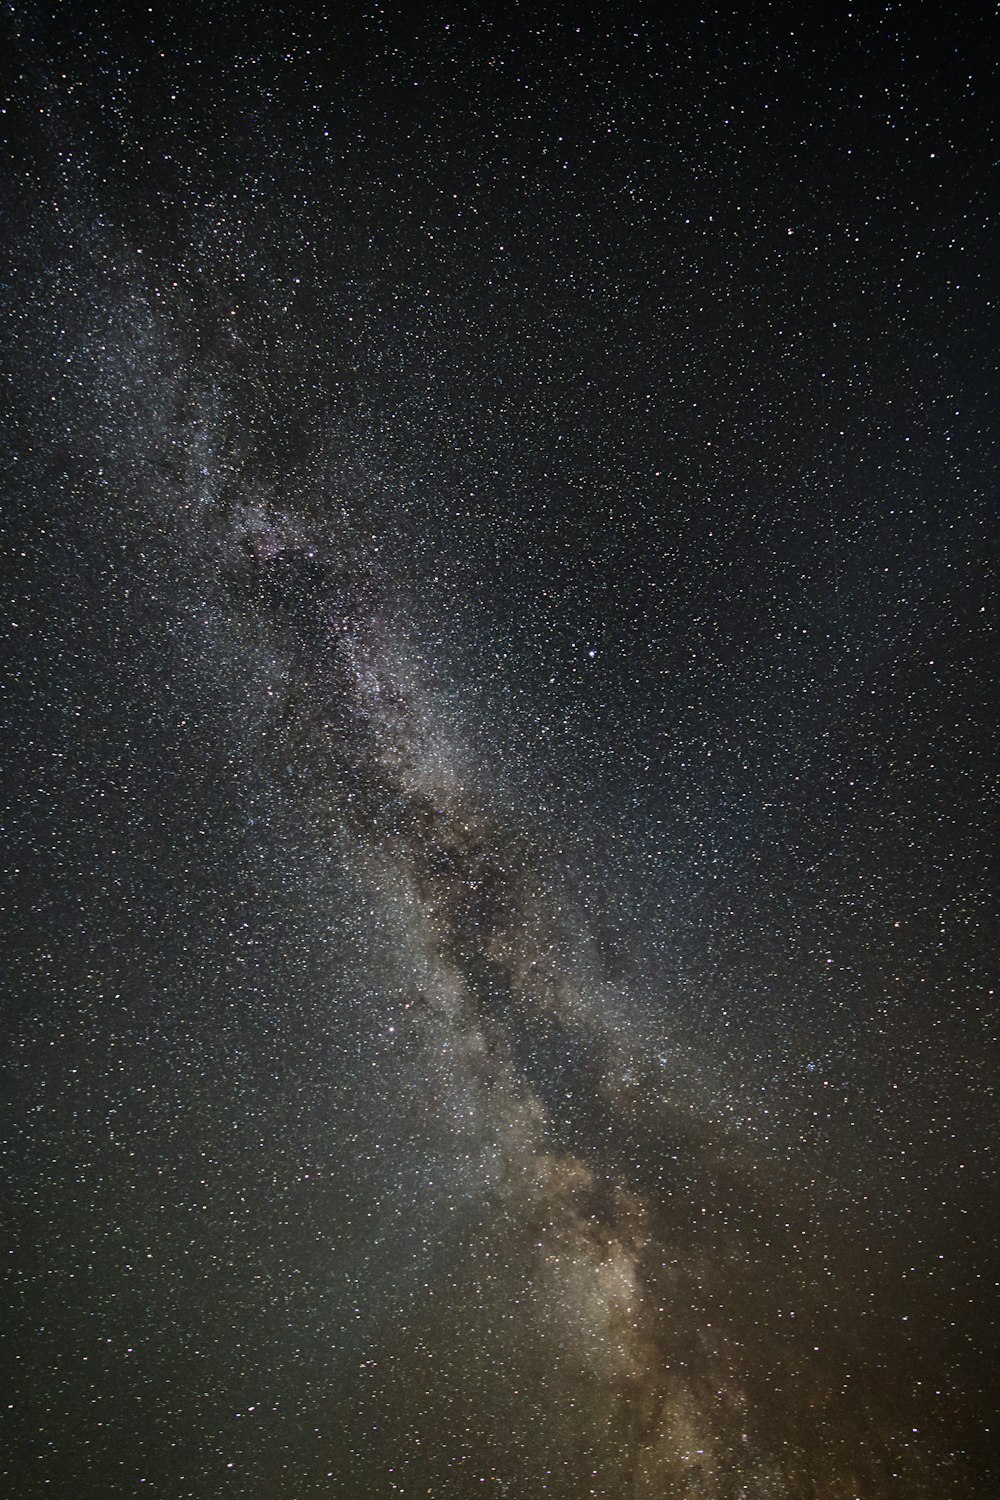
(615, 1290)
(498, 927)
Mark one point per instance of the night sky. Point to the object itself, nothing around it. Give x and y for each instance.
(500, 838)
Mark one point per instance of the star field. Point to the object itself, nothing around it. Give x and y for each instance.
(500, 898)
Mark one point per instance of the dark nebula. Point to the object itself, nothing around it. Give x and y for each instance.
(500, 900)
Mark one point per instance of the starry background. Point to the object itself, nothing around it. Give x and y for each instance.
(501, 834)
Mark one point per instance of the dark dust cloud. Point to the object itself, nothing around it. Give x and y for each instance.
(500, 888)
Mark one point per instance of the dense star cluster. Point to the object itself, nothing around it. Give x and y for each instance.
(500, 911)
